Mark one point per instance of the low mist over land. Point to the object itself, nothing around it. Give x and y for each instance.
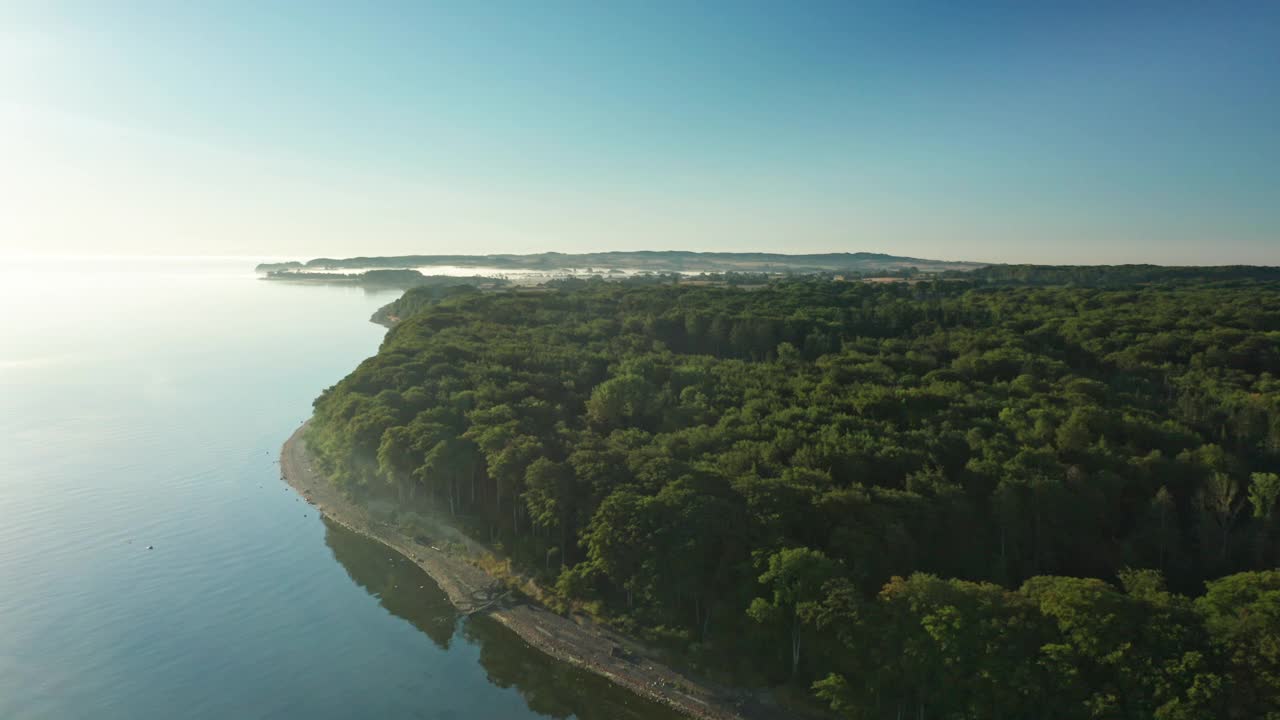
(645, 260)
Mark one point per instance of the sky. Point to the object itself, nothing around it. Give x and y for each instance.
(1072, 132)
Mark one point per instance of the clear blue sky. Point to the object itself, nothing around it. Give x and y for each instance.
(1019, 131)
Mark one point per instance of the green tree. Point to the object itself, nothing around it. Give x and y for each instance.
(795, 577)
(551, 496)
(1242, 614)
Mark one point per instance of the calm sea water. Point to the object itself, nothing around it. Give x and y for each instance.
(143, 403)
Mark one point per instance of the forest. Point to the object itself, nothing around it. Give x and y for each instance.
(1038, 495)
(404, 278)
(1112, 275)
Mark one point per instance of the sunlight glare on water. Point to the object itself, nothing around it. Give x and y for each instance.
(142, 405)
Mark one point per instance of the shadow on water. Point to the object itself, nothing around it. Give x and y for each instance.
(401, 587)
(549, 687)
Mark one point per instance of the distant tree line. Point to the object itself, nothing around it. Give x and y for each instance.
(388, 278)
(937, 499)
(1113, 275)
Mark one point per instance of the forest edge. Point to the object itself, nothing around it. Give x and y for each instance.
(471, 590)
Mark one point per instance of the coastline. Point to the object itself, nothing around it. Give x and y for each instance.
(471, 590)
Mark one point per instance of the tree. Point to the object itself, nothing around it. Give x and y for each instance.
(397, 459)
(1242, 614)
(508, 455)
(1222, 500)
(623, 400)
(1264, 489)
(551, 497)
(1161, 521)
(961, 649)
(795, 577)
(446, 465)
(617, 540)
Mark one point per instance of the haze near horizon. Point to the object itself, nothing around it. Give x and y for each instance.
(1086, 133)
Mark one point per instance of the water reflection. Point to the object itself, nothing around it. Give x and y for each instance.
(401, 587)
(550, 688)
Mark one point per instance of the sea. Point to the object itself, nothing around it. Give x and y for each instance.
(152, 562)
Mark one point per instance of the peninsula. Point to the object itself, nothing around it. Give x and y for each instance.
(660, 261)
(963, 494)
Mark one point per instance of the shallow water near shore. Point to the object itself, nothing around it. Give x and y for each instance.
(143, 404)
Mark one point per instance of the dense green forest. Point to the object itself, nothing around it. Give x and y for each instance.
(1112, 275)
(937, 499)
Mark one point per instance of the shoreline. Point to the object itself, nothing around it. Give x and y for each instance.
(471, 590)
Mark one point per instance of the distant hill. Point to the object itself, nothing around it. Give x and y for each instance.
(650, 260)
